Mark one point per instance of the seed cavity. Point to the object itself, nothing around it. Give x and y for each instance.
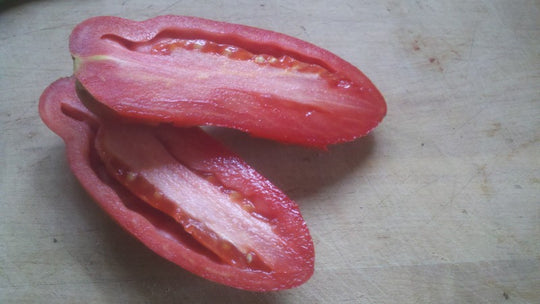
(166, 43)
(288, 63)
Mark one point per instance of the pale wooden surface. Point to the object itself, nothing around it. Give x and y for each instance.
(441, 204)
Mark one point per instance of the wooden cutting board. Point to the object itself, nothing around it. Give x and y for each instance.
(440, 204)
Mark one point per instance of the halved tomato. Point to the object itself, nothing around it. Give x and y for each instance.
(191, 71)
(184, 196)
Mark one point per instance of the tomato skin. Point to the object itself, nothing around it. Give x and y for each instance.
(63, 113)
(114, 63)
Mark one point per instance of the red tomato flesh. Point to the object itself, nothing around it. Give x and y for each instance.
(218, 218)
(191, 71)
(184, 196)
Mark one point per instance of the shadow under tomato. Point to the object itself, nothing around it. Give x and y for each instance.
(299, 171)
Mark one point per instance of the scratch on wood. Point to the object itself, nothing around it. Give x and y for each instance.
(495, 127)
(523, 146)
(484, 183)
(37, 31)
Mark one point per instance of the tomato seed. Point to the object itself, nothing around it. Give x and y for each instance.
(157, 195)
(131, 176)
(249, 257)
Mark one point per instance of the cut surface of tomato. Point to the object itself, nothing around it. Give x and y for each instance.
(191, 71)
(184, 196)
(218, 218)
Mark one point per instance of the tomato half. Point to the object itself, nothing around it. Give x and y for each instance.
(184, 195)
(191, 71)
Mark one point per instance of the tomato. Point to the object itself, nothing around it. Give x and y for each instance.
(183, 195)
(191, 71)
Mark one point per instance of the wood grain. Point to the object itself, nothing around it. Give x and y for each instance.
(440, 204)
